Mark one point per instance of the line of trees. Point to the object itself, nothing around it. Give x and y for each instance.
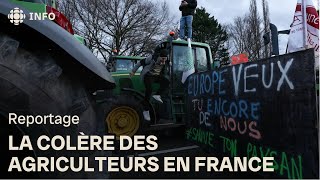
(246, 32)
(135, 27)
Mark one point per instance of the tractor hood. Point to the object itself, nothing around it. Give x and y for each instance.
(83, 63)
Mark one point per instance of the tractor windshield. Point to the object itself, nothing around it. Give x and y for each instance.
(126, 65)
(201, 60)
(199, 55)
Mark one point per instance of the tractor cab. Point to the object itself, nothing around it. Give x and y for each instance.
(124, 108)
(172, 110)
(202, 61)
(120, 67)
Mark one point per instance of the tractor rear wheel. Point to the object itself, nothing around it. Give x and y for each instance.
(32, 83)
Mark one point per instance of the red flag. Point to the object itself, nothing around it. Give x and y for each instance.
(304, 31)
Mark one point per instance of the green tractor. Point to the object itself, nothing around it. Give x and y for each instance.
(123, 108)
(120, 67)
(45, 70)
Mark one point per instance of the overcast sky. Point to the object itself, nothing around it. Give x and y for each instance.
(281, 12)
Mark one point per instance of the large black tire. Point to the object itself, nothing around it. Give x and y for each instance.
(128, 109)
(31, 83)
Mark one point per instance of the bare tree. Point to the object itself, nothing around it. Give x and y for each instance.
(266, 21)
(238, 35)
(89, 25)
(245, 34)
(254, 22)
(133, 27)
(68, 10)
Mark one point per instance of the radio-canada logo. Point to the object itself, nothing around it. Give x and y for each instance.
(16, 16)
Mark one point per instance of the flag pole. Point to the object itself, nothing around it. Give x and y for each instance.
(304, 15)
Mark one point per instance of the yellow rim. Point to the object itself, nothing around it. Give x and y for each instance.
(123, 120)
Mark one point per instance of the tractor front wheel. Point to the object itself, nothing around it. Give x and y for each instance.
(123, 115)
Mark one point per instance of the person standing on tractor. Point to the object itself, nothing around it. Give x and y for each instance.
(154, 71)
(187, 9)
(111, 62)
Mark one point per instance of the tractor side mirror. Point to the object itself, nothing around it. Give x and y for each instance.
(274, 39)
(266, 38)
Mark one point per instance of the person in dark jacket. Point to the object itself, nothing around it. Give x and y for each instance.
(111, 61)
(187, 9)
(154, 71)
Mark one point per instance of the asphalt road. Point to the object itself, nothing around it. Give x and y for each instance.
(174, 145)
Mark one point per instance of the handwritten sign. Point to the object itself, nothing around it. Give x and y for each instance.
(263, 108)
